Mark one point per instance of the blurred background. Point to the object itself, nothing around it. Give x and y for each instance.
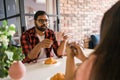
(80, 18)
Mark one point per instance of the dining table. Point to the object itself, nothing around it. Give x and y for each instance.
(42, 71)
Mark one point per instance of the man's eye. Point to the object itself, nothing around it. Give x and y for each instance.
(40, 20)
(43, 20)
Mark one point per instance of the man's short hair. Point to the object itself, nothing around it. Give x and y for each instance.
(39, 13)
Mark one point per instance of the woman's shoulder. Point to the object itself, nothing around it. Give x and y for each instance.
(83, 71)
(88, 62)
(92, 57)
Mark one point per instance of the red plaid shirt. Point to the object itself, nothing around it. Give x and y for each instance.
(29, 40)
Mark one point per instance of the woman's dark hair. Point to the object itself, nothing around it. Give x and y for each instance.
(107, 63)
(39, 13)
(107, 19)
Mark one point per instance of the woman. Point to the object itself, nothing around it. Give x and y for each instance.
(103, 63)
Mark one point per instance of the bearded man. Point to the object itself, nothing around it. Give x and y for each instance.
(40, 41)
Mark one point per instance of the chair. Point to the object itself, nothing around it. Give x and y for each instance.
(94, 40)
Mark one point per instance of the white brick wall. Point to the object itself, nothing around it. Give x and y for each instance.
(83, 17)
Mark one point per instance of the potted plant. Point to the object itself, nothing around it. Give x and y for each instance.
(8, 52)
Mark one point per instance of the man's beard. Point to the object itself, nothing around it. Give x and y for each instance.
(41, 28)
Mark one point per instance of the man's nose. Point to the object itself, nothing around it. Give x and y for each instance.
(44, 22)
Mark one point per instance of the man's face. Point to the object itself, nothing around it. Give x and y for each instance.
(42, 23)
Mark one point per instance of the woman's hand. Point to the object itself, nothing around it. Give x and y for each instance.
(69, 51)
(74, 49)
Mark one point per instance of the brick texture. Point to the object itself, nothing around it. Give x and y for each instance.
(81, 18)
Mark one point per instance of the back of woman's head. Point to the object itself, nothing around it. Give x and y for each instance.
(107, 64)
(107, 18)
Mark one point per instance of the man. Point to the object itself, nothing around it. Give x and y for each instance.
(39, 41)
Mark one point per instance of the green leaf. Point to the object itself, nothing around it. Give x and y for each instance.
(9, 55)
(18, 54)
(3, 72)
(12, 28)
(4, 23)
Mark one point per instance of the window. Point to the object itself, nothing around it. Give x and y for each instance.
(21, 12)
(9, 10)
(2, 15)
(12, 7)
(46, 5)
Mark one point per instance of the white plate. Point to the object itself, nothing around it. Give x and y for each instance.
(48, 78)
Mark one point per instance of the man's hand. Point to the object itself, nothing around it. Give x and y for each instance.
(46, 43)
(60, 36)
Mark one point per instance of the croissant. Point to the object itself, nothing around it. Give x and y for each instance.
(50, 60)
(58, 76)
